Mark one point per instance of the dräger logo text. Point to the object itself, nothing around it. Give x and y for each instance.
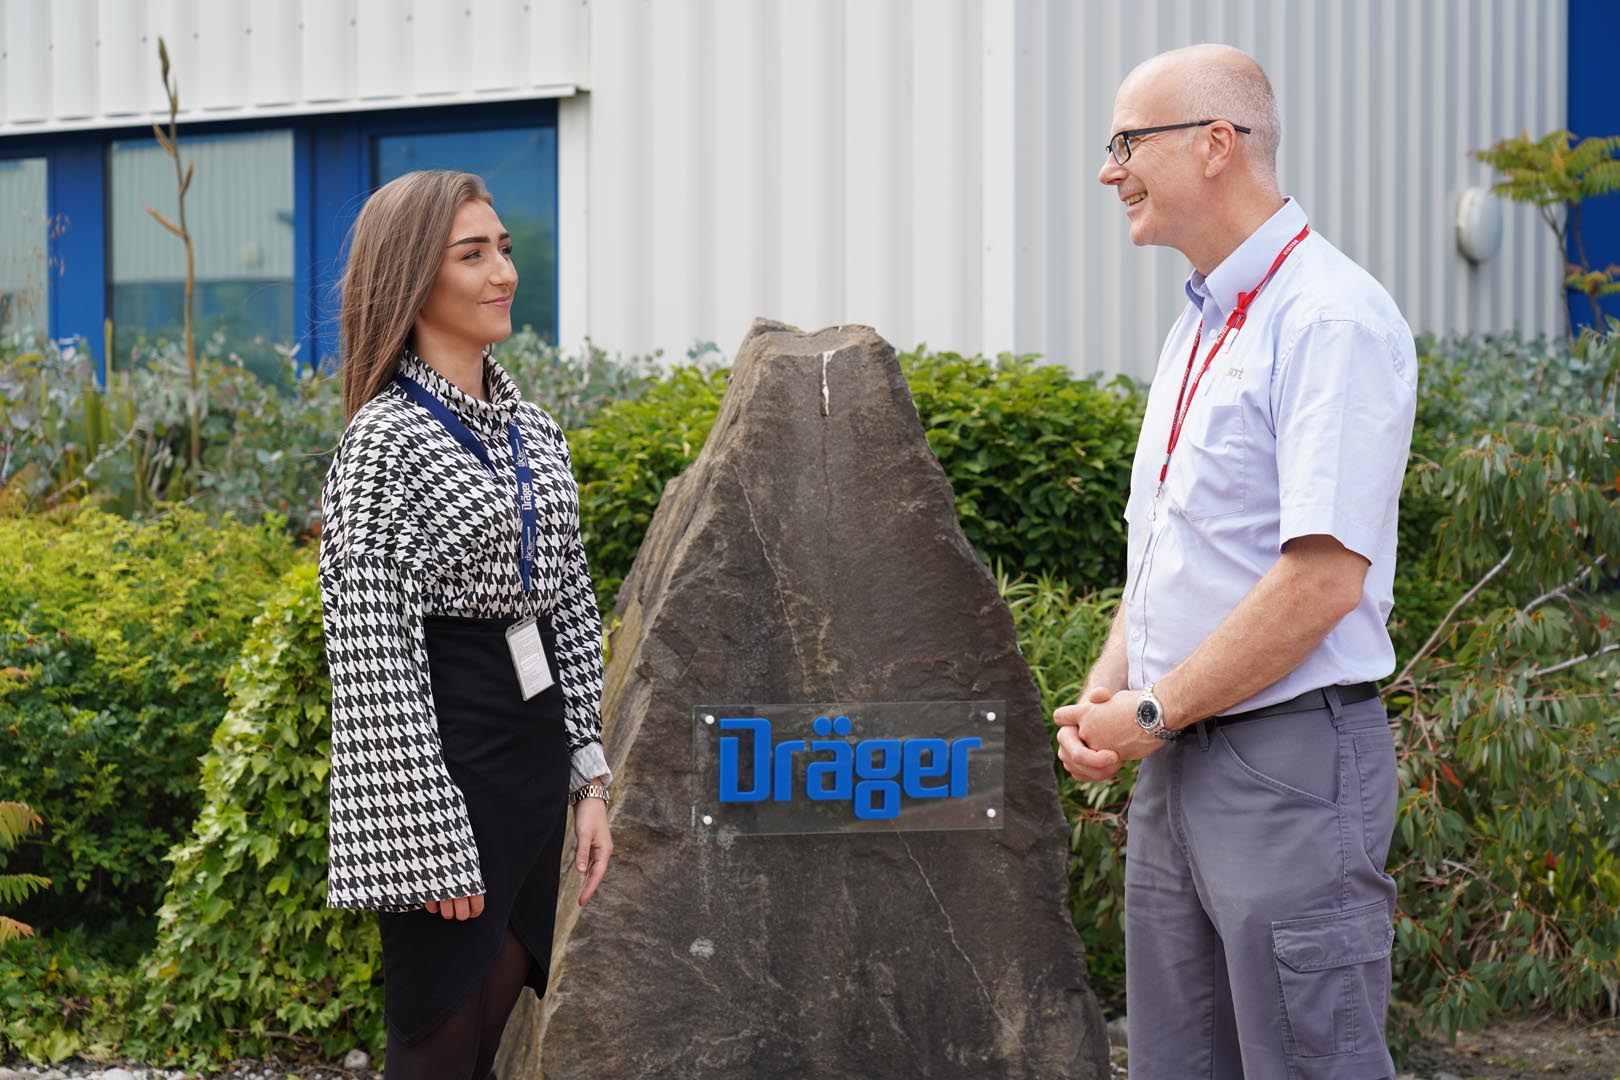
(872, 772)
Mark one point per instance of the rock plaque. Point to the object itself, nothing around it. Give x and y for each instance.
(812, 554)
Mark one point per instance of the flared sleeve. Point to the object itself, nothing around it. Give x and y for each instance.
(398, 830)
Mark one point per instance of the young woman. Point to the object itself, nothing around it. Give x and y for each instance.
(461, 631)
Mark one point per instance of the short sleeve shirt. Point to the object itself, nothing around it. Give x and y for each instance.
(1301, 426)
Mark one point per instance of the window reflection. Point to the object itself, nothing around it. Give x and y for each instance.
(24, 244)
(519, 166)
(239, 211)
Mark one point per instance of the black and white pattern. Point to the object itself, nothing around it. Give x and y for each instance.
(414, 525)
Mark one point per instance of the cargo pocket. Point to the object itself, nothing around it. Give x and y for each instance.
(1334, 971)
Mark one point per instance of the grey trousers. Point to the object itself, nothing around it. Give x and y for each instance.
(1258, 916)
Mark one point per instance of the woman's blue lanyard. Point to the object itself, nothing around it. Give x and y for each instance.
(530, 536)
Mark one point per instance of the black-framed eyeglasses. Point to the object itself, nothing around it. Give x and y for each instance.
(1120, 144)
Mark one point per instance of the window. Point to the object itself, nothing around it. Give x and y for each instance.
(519, 166)
(24, 237)
(239, 212)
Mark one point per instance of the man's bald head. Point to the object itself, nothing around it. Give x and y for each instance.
(1218, 82)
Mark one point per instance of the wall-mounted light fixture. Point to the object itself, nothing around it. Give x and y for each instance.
(1479, 224)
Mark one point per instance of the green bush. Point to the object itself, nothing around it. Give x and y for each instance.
(1509, 667)
(623, 459)
(1509, 744)
(266, 442)
(573, 386)
(248, 959)
(1060, 633)
(69, 992)
(114, 642)
(1039, 461)
(17, 820)
(1468, 386)
(123, 446)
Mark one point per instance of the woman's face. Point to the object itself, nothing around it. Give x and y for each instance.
(471, 301)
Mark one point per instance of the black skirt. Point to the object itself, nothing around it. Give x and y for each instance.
(509, 757)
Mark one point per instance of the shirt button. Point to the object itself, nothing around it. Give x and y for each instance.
(1136, 635)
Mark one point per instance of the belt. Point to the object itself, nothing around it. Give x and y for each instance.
(1310, 699)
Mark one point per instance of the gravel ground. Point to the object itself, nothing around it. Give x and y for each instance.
(1510, 1050)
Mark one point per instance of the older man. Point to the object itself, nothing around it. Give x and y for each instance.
(1259, 570)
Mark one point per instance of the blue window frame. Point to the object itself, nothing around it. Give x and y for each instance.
(75, 255)
(335, 167)
(239, 211)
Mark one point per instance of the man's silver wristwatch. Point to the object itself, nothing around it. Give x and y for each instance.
(1150, 716)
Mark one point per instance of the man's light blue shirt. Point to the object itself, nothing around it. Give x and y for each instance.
(1301, 426)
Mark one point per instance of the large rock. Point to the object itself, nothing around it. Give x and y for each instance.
(812, 554)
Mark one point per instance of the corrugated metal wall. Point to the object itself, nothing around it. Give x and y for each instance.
(93, 63)
(926, 166)
(929, 166)
(1381, 100)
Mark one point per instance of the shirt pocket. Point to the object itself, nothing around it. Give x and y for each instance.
(1208, 474)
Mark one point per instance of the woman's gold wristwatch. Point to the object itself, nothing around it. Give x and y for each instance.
(590, 791)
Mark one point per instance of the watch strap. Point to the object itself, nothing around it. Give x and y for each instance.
(590, 791)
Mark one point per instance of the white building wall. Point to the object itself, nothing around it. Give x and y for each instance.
(1381, 101)
(925, 166)
(929, 166)
(75, 64)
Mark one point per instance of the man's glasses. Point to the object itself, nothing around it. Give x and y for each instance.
(1120, 144)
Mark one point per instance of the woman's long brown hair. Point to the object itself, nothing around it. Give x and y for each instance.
(395, 249)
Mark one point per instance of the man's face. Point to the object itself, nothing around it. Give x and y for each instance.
(1159, 184)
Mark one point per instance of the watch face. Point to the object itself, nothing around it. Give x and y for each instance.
(1147, 714)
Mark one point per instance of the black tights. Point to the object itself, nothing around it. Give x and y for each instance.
(465, 1044)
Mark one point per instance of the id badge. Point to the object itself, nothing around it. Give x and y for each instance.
(528, 657)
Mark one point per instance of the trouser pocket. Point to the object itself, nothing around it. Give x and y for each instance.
(1334, 971)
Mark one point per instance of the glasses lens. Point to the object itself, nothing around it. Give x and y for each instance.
(1120, 147)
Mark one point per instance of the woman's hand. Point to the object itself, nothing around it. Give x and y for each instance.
(594, 846)
(461, 908)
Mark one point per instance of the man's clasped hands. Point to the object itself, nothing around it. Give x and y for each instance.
(1098, 734)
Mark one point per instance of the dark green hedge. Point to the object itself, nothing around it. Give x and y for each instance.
(1039, 461)
(115, 638)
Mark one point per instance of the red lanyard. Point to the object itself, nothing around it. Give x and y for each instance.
(1233, 322)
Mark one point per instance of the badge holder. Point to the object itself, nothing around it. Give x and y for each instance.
(529, 657)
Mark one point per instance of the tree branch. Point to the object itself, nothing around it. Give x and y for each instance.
(1565, 665)
(1553, 594)
(1434, 637)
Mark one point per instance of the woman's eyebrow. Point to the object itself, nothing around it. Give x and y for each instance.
(478, 239)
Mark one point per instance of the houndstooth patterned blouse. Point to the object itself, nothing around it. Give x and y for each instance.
(414, 525)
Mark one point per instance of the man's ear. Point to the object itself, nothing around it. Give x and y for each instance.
(1220, 147)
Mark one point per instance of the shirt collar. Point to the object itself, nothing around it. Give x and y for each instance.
(503, 392)
(1243, 269)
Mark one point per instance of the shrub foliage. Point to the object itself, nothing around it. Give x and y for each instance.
(1507, 832)
(115, 638)
(17, 820)
(623, 459)
(266, 433)
(249, 960)
(1038, 459)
